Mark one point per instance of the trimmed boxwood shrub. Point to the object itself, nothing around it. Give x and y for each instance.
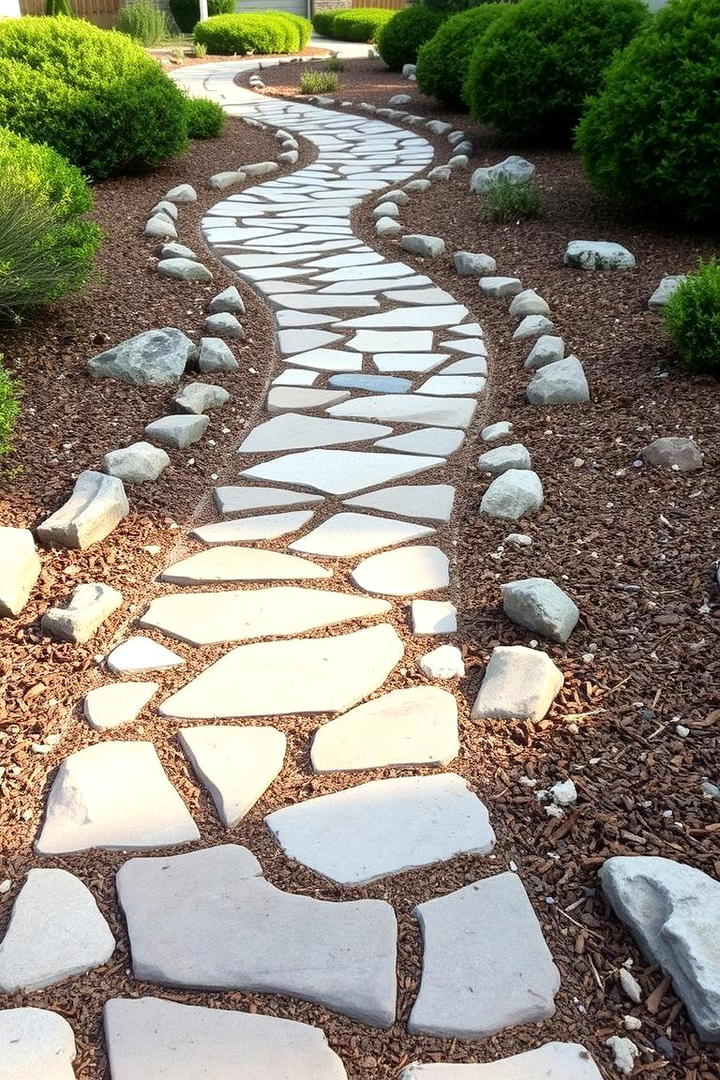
(186, 13)
(93, 95)
(205, 118)
(359, 24)
(652, 136)
(532, 70)
(46, 244)
(322, 22)
(264, 32)
(692, 319)
(443, 61)
(400, 38)
(304, 26)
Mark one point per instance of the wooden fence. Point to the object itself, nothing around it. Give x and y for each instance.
(101, 12)
(393, 5)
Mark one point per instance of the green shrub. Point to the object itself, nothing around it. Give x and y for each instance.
(58, 7)
(359, 24)
(692, 318)
(651, 138)
(504, 201)
(93, 95)
(187, 12)
(144, 21)
(533, 68)
(451, 7)
(443, 61)
(322, 22)
(9, 407)
(206, 119)
(199, 50)
(400, 38)
(46, 245)
(318, 82)
(334, 63)
(261, 32)
(304, 26)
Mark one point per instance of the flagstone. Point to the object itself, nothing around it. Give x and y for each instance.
(553, 1061)
(241, 564)
(302, 318)
(280, 287)
(486, 965)
(472, 346)
(296, 377)
(429, 440)
(409, 409)
(414, 726)
(212, 618)
(141, 654)
(235, 499)
(401, 362)
(260, 527)
(430, 502)
(388, 341)
(473, 365)
(369, 285)
(327, 360)
(225, 927)
(416, 316)
(113, 795)
(291, 399)
(333, 262)
(468, 329)
(420, 296)
(318, 675)
(403, 572)
(315, 301)
(118, 703)
(294, 340)
(154, 1039)
(442, 385)
(347, 534)
(236, 764)
(352, 270)
(39, 1043)
(433, 617)
(378, 384)
(339, 472)
(291, 431)
(384, 827)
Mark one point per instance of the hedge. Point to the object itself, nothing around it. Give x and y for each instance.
(401, 37)
(267, 32)
(651, 138)
(205, 118)
(186, 13)
(444, 60)
(352, 24)
(93, 95)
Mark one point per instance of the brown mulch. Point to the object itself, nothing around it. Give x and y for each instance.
(634, 547)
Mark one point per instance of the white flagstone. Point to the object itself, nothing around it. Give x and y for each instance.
(339, 472)
(239, 564)
(262, 527)
(294, 432)
(429, 502)
(236, 764)
(345, 535)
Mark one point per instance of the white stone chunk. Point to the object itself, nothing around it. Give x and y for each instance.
(433, 617)
(384, 827)
(119, 703)
(409, 409)
(661, 297)
(404, 572)
(469, 263)
(141, 654)
(496, 431)
(183, 193)
(559, 383)
(113, 795)
(519, 683)
(416, 726)
(541, 606)
(55, 931)
(429, 440)
(339, 472)
(318, 675)
(426, 246)
(260, 527)
(20, 569)
(137, 463)
(513, 495)
(184, 270)
(294, 432)
(160, 227)
(285, 399)
(178, 431)
(227, 300)
(200, 397)
(529, 302)
(234, 499)
(241, 564)
(89, 606)
(546, 350)
(533, 326)
(36, 1043)
(236, 764)
(598, 255)
(151, 1039)
(500, 286)
(97, 504)
(429, 502)
(553, 1061)
(345, 535)
(445, 662)
(447, 385)
(514, 170)
(486, 966)
(502, 458)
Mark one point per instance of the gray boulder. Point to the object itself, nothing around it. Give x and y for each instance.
(440, 172)
(426, 246)
(169, 209)
(513, 495)
(673, 912)
(20, 569)
(598, 255)
(161, 227)
(224, 325)
(502, 458)
(456, 137)
(499, 286)
(215, 355)
(682, 455)
(418, 185)
(136, 464)
(400, 99)
(288, 157)
(220, 181)
(388, 226)
(560, 383)
(98, 502)
(528, 302)
(541, 606)
(153, 358)
(546, 350)
(200, 397)
(468, 263)
(178, 431)
(438, 127)
(386, 209)
(496, 431)
(184, 270)
(532, 326)
(458, 161)
(177, 251)
(515, 170)
(183, 193)
(464, 147)
(88, 608)
(661, 297)
(408, 71)
(519, 683)
(260, 168)
(398, 196)
(227, 300)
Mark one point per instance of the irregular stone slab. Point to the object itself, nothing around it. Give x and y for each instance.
(598, 255)
(141, 654)
(661, 297)
(447, 385)
(261, 527)
(542, 606)
(513, 495)
(351, 269)
(184, 270)
(672, 911)
(502, 458)
(431, 315)
(472, 346)
(445, 662)
(318, 675)
(312, 301)
(408, 361)
(340, 472)
(215, 355)
(532, 326)
(294, 432)
(682, 455)
(519, 683)
(153, 358)
(110, 706)
(388, 341)
(493, 432)
(375, 384)
(560, 383)
(514, 170)
(295, 377)
(224, 325)
(241, 564)
(235, 499)
(409, 409)
(113, 795)
(20, 569)
(225, 927)
(384, 827)
(471, 365)
(149, 1037)
(554, 1061)
(183, 193)
(97, 504)
(89, 606)
(36, 1043)
(178, 431)
(136, 464)
(227, 300)
(500, 286)
(546, 350)
(299, 339)
(285, 399)
(55, 931)
(200, 397)
(235, 764)
(433, 617)
(486, 966)
(416, 726)
(345, 535)
(468, 263)
(242, 615)
(401, 573)
(430, 440)
(430, 502)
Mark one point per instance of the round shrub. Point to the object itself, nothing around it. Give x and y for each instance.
(93, 95)
(692, 318)
(322, 22)
(46, 244)
(533, 68)
(304, 26)
(258, 32)
(400, 38)
(359, 24)
(443, 61)
(205, 118)
(651, 137)
(186, 13)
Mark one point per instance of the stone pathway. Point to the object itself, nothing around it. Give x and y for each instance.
(369, 346)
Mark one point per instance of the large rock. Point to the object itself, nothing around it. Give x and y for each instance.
(560, 383)
(469, 262)
(419, 244)
(502, 458)
(90, 605)
(215, 355)
(178, 431)
(513, 495)
(177, 251)
(199, 397)
(528, 302)
(519, 683)
(137, 463)
(153, 358)
(227, 300)
(386, 209)
(553, 1061)
(161, 227)
(682, 455)
(97, 504)
(184, 270)
(673, 912)
(224, 325)
(221, 180)
(387, 226)
(20, 569)
(598, 255)
(546, 350)
(37, 1043)
(515, 170)
(183, 193)
(499, 286)
(542, 606)
(532, 326)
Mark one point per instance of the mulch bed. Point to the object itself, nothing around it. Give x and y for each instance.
(634, 547)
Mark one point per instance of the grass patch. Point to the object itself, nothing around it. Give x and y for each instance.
(504, 202)
(318, 82)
